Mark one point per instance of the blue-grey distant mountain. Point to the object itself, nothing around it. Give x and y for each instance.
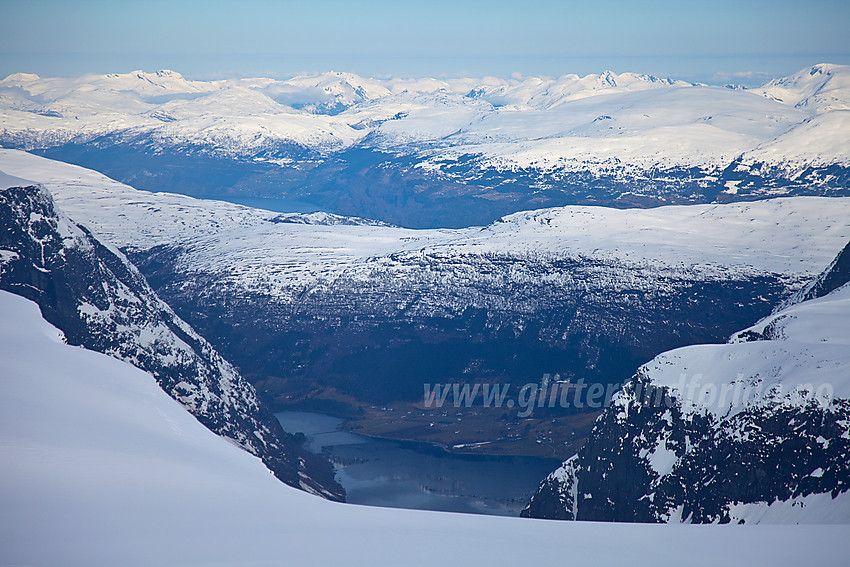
(429, 152)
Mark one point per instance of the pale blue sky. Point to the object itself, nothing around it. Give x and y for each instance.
(714, 41)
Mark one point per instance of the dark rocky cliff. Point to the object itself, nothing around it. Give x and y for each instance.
(100, 301)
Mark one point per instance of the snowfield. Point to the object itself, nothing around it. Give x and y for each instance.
(100, 467)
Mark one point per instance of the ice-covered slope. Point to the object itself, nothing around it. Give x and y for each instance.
(757, 430)
(100, 467)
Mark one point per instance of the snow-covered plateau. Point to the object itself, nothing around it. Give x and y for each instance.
(100, 467)
(791, 235)
(409, 151)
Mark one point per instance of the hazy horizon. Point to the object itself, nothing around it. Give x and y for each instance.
(725, 42)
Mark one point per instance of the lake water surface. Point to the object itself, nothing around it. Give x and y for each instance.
(404, 474)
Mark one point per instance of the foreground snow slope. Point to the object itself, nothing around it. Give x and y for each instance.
(100, 467)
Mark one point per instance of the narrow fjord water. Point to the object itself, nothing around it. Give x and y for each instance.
(403, 474)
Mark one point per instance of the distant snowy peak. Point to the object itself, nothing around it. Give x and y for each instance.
(821, 88)
(546, 93)
(164, 80)
(326, 93)
(19, 79)
(608, 125)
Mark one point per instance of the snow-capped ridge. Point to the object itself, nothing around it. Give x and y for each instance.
(539, 123)
(755, 430)
(326, 219)
(824, 87)
(833, 277)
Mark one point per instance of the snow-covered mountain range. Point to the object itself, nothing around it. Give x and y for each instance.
(626, 275)
(625, 118)
(100, 467)
(100, 301)
(359, 312)
(408, 151)
(755, 430)
(327, 302)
